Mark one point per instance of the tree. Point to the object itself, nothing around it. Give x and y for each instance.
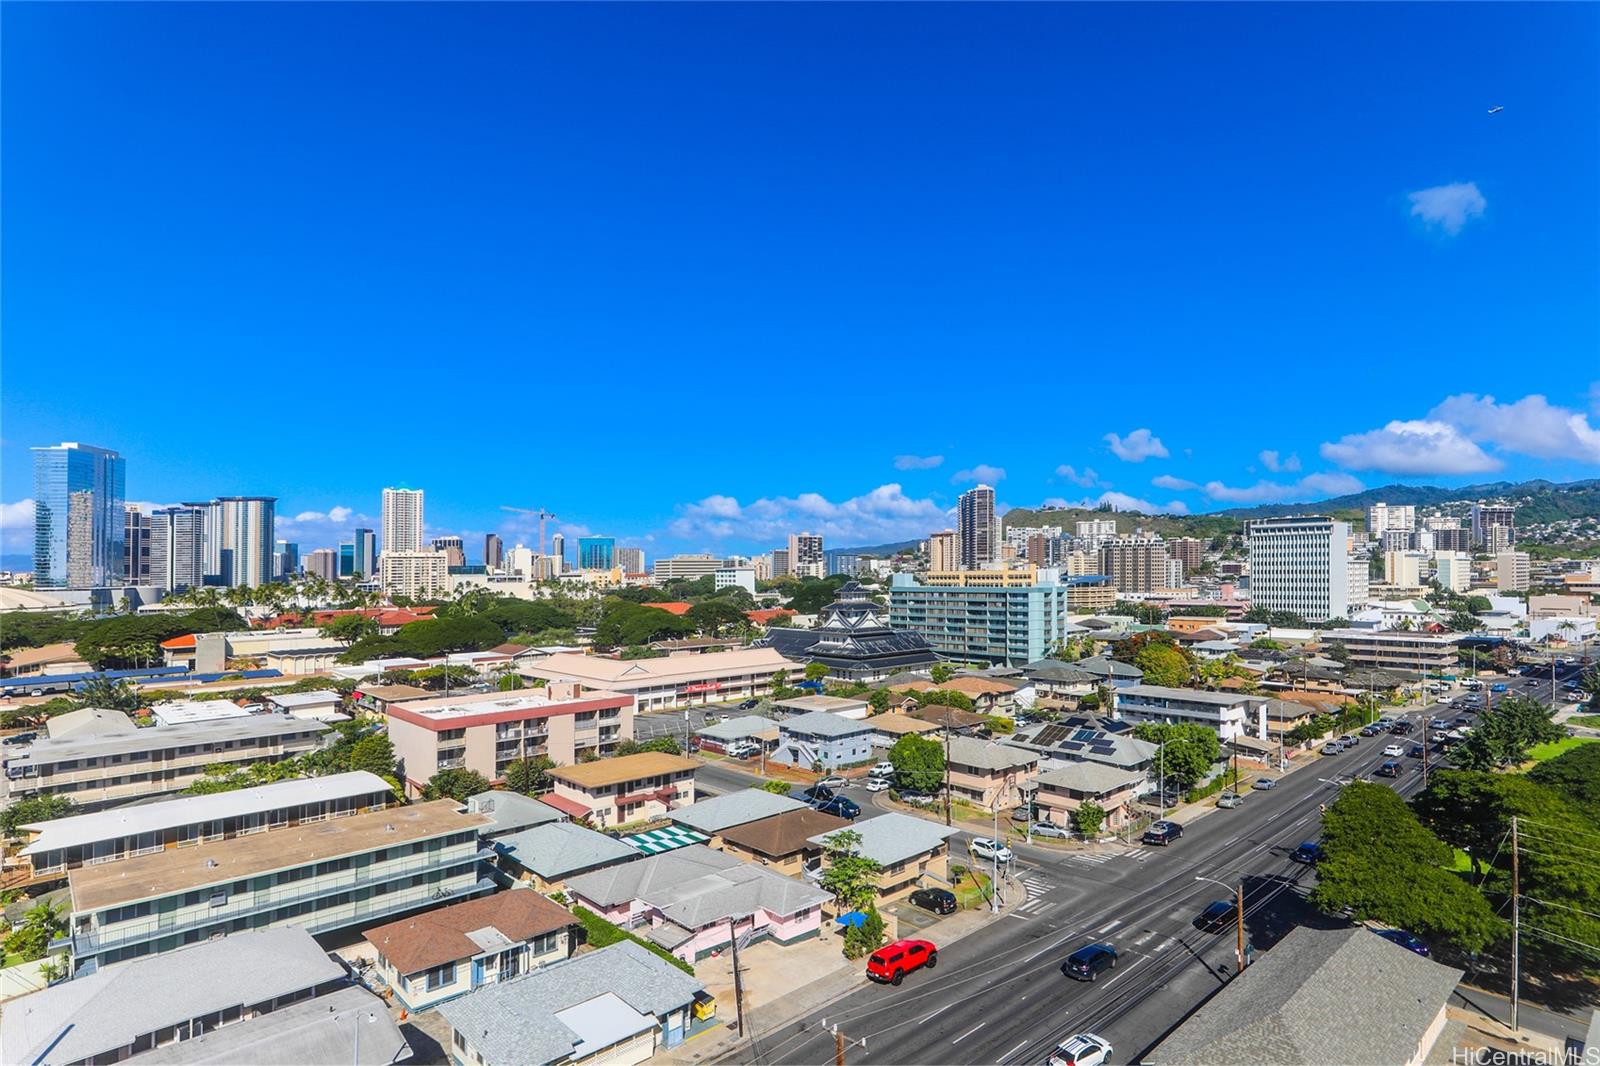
(1339, 653)
(944, 697)
(455, 784)
(1088, 818)
(528, 776)
(1381, 863)
(41, 924)
(1576, 775)
(42, 808)
(941, 672)
(111, 695)
(777, 788)
(1505, 732)
(1462, 622)
(1185, 753)
(1163, 664)
(852, 878)
(816, 671)
(373, 753)
(864, 939)
(438, 678)
(349, 628)
(712, 616)
(665, 744)
(918, 763)
(879, 700)
(510, 683)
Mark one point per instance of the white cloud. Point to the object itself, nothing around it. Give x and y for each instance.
(1272, 461)
(1448, 207)
(1176, 484)
(1308, 487)
(335, 515)
(1122, 501)
(1415, 447)
(982, 472)
(917, 462)
(16, 527)
(1530, 426)
(1087, 479)
(1137, 446)
(884, 514)
(322, 529)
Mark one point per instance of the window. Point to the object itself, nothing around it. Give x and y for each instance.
(458, 1040)
(440, 976)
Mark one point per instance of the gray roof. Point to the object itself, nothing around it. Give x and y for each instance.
(80, 746)
(514, 1023)
(313, 1032)
(511, 811)
(746, 725)
(988, 755)
(318, 698)
(1093, 777)
(1294, 1004)
(736, 808)
(1189, 695)
(891, 838)
(1059, 672)
(1100, 664)
(107, 1009)
(1112, 749)
(556, 849)
(825, 724)
(696, 886)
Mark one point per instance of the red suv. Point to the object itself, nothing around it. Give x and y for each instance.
(893, 962)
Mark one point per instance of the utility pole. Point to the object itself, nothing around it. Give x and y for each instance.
(839, 1042)
(994, 886)
(1238, 908)
(1516, 925)
(947, 772)
(738, 982)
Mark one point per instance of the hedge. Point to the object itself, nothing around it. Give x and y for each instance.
(600, 933)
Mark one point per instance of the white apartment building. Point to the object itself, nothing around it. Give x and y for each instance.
(743, 577)
(1382, 517)
(1229, 713)
(1095, 532)
(1513, 571)
(1453, 570)
(416, 574)
(688, 567)
(402, 520)
(805, 556)
(1403, 569)
(1301, 564)
(1360, 586)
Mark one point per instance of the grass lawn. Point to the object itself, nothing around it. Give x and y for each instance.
(972, 890)
(1589, 721)
(1541, 752)
(1460, 861)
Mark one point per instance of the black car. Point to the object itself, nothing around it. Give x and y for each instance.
(1307, 854)
(1162, 833)
(937, 900)
(1087, 962)
(818, 794)
(1415, 752)
(748, 704)
(1218, 915)
(1388, 769)
(839, 807)
(1401, 728)
(1370, 731)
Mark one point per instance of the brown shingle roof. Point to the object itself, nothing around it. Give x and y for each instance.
(623, 769)
(782, 834)
(436, 937)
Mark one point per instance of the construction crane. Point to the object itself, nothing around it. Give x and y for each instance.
(540, 514)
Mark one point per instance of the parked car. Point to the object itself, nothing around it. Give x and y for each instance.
(891, 964)
(818, 793)
(747, 705)
(1391, 768)
(839, 807)
(1050, 830)
(1307, 854)
(36, 692)
(1229, 800)
(1022, 815)
(832, 781)
(937, 900)
(1085, 1049)
(1370, 730)
(989, 848)
(1332, 747)
(1350, 741)
(21, 738)
(1087, 963)
(1162, 833)
(1395, 750)
(1218, 915)
(877, 784)
(742, 751)
(1261, 784)
(1409, 941)
(881, 769)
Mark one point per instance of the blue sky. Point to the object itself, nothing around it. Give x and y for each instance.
(699, 275)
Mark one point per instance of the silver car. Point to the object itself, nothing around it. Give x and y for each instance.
(1050, 831)
(1230, 800)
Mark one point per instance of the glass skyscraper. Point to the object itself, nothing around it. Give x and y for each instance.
(595, 553)
(78, 517)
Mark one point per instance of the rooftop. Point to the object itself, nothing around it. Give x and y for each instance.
(783, 834)
(485, 708)
(447, 934)
(1092, 777)
(825, 724)
(193, 734)
(1189, 695)
(696, 886)
(164, 873)
(720, 813)
(393, 692)
(901, 724)
(834, 704)
(988, 755)
(509, 811)
(349, 1027)
(893, 838)
(557, 849)
(319, 698)
(746, 725)
(622, 769)
(601, 671)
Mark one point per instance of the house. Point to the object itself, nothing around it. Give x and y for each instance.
(1284, 715)
(671, 682)
(844, 708)
(321, 706)
(694, 901)
(617, 1005)
(952, 718)
(546, 855)
(267, 996)
(888, 728)
(1061, 791)
(322, 877)
(910, 852)
(1059, 684)
(718, 814)
(1108, 671)
(783, 842)
(1281, 1008)
(745, 729)
(987, 772)
(626, 789)
(508, 812)
(988, 695)
(377, 699)
(825, 738)
(450, 951)
(1229, 713)
(1085, 738)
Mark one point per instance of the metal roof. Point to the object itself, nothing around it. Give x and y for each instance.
(735, 808)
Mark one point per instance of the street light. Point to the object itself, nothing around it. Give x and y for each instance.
(1238, 910)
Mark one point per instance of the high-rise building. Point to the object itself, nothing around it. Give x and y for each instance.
(1513, 571)
(78, 518)
(455, 551)
(1190, 551)
(178, 547)
(1453, 570)
(1094, 532)
(246, 535)
(288, 559)
(347, 559)
(1498, 538)
(418, 574)
(1452, 538)
(135, 546)
(1403, 569)
(806, 558)
(558, 548)
(402, 520)
(1383, 517)
(688, 567)
(1300, 564)
(630, 560)
(780, 562)
(976, 529)
(944, 551)
(1360, 581)
(1135, 563)
(595, 553)
(1486, 516)
(494, 550)
(1009, 617)
(366, 545)
(323, 563)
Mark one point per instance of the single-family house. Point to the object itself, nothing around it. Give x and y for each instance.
(735, 732)
(988, 772)
(546, 855)
(1085, 738)
(910, 852)
(783, 842)
(628, 788)
(320, 706)
(717, 815)
(888, 728)
(825, 738)
(989, 695)
(1108, 671)
(1060, 791)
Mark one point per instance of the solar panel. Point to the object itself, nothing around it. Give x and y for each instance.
(1070, 745)
(1085, 734)
(1051, 734)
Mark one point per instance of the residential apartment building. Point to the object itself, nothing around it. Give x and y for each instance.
(1360, 580)
(1135, 563)
(1300, 564)
(944, 551)
(822, 737)
(806, 558)
(1396, 649)
(135, 546)
(339, 873)
(1229, 713)
(629, 788)
(100, 758)
(177, 547)
(1093, 533)
(977, 529)
(1006, 617)
(244, 529)
(414, 574)
(288, 558)
(686, 567)
(1499, 538)
(1190, 551)
(494, 550)
(1058, 792)
(1453, 570)
(1403, 569)
(987, 772)
(78, 516)
(323, 563)
(631, 560)
(455, 552)
(402, 520)
(1486, 516)
(488, 732)
(1513, 571)
(670, 682)
(1384, 517)
(910, 852)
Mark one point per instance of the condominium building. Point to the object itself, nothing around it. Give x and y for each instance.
(241, 538)
(1094, 532)
(806, 558)
(1360, 580)
(944, 551)
(455, 552)
(288, 563)
(323, 563)
(339, 873)
(1453, 570)
(1396, 649)
(1135, 563)
(1229, 713)
(78, 517)
(488, 732)
(630, 560)
(1485, 516)
(687, 567)
(1190, 551)
(977, 529)
(625, 789)
(415, 574)
(558, 552)
(100, 758)
(402, 520)
(494, 550)
(1513, 571)
(1300, 564)
(1080, 563)
(1498, 538)
(595, 553)
(670, 682)
(177, 547)
(135, 546)
(1383, 517)
(1403, 569)
(365, 543)
(1010, 617)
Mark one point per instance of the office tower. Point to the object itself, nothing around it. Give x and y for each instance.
(558, 548)
(178, 547)
(78, 519)
(595, 553)
(1300, 564)
(1383, 517)
(323, 563)
(687, 567)
(806, 558)
(135, 546)
(288, 559)
(1487, 516)
(630, 560)
(366, 561)
(494, 550)
(976, 529)
(944, 551)
(347, 559)
(245, 537)
(455, 553)
(1513, 571)
(1135, 563)
(1190, 551)
(402, 520)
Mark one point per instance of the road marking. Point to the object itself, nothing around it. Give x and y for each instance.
(1047, 949)
(1108, 928)
(969, 1032)
(1018, 917)
(1014, 1050)
(1144, 939)
(942, 1009)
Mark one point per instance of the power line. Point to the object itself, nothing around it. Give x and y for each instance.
(1580, 945)
(1563, 906)
(1561, 843)
(1561, 828)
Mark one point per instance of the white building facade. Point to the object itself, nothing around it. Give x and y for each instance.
(1301, 564)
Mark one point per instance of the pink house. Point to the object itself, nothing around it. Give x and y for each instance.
(693, 901)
